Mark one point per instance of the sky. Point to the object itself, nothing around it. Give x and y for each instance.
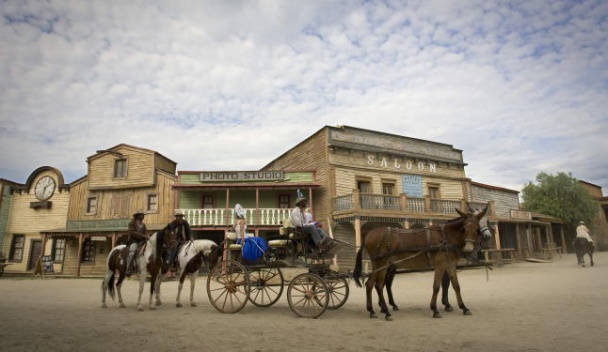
(519, 86)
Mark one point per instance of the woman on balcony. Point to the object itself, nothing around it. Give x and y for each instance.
(239, 225)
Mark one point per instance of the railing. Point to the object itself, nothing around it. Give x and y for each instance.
(368, 201)
(223, 217)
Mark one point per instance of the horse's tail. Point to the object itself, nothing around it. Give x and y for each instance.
(358, 268)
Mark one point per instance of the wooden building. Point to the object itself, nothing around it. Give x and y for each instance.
(208, 198)
(516, 232)
(82, 221)
(39, 205)
(369, 179)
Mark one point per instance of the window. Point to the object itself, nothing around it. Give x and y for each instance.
(284, 201)
(388, 188)
(91, 205)
(152, 202)
(120, 168)
(88, 252)
(17, 245)
(58, 249)
(434, 191)
(364, 186)
(208, 202)
(120, 206)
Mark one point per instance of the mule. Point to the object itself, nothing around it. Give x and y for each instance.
(485, 234)
(437, 246)
(583, 246)
(191, 257)
(148, 259)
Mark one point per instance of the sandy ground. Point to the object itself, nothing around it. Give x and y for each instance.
(524, 306)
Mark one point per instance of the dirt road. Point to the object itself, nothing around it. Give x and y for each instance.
(524, 306)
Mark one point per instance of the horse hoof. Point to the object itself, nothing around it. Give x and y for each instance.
(152, 308)
(140, 308)
(467, 312)
(158, 303)
(122, 305)
(449, 309)
(437, 315)
(104, 306)
(395, 309)
(178, 305)
(192, 304)
(373, 316)
(388, 318)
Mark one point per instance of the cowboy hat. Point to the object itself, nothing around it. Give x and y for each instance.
(139, 212)
(179, 213)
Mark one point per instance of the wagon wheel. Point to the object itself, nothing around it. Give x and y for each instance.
(307, 295)
(228, 286)
(266, 286)
(338, 290)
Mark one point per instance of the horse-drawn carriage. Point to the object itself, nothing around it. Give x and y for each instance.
(236, 280)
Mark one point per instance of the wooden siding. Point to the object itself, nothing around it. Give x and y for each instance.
(140, 170)
(504, 201)
(129, 200)
(164, 164)
(311, 154)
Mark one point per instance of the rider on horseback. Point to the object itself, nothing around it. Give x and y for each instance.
(181, 227)
(137, 237)
(583, 231)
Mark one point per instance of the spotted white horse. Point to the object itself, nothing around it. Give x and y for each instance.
(190, 257)
(149, 259)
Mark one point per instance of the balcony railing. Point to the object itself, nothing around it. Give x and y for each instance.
(223, 217)
(402, 203)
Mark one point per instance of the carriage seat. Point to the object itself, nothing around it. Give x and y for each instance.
(231, 237)
(286, 231)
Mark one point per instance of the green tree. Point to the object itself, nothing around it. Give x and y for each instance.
(561, 196)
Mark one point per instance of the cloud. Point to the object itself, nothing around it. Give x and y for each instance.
(232, 85)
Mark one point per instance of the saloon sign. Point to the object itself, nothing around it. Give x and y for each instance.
(399, 164)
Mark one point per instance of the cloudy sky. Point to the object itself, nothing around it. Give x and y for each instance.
(519, 86)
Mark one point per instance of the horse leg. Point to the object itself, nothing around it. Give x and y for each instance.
(439, 272)
(104, 288)
(390, 276)
(178, 304)
(380, 280)
(192, 277)
(369, 286)
(591, 258)
(159, 280)
(456, 286)
(445, 287)
(121, 278)
(142, 282)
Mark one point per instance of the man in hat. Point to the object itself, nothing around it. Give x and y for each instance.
(137, 233)
(583, 231)
(183, 233)
(299, 221)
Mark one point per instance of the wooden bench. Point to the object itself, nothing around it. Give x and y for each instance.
(548, 251)
(499, 252)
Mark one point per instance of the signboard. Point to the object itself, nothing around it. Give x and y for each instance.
(47, 264)
(240, 176)
(520, 214)
(412, 185)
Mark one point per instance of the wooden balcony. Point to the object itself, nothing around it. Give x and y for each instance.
(386, 206)
(221, 217)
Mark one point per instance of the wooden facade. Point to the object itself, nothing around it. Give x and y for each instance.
(371, 179)
(90, 215)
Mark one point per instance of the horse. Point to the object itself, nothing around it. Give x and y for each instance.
(190, 258)
(583, 246)
(149, 258)
(440, 246)
(485, 234)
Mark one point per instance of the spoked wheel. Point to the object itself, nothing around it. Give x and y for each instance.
(307, 295)
(266, 286)
(228, 286)
(338, 290)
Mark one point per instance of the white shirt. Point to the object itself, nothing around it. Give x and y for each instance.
(583, 231)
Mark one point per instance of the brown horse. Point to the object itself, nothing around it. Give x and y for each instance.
(191, 257)
(437, 246)
(583, 246)
(149, 258)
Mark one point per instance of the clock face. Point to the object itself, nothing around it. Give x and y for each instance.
(45, 188)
